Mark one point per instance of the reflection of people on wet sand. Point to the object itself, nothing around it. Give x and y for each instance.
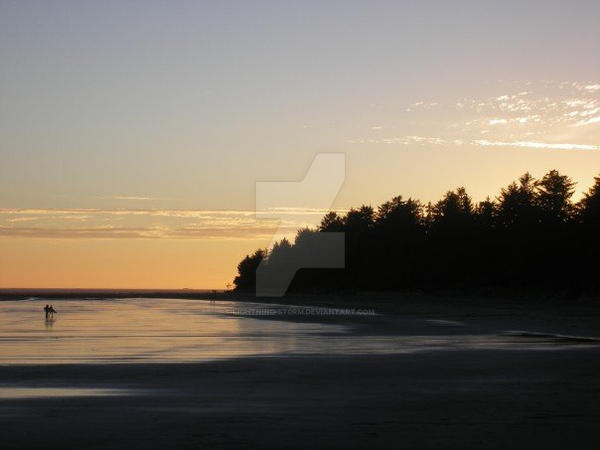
(49, 310)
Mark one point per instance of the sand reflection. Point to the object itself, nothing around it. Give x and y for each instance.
(170, 330)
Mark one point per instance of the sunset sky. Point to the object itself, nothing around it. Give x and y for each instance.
(132, 133)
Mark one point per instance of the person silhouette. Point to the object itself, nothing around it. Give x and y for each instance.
(47, 310)
(52, 311)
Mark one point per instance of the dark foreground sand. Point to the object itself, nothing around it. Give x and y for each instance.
(450, 400)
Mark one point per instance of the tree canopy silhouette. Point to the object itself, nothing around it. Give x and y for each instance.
(531, 236)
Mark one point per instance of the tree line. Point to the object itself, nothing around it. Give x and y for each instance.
(532, 236)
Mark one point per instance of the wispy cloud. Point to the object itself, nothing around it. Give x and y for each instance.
(422, 105)
(592, 87)
(408, 140)
(22, 219)
(132, 197)
(183, 213)
(255, 232)
(521, 114)
(153, 223)
(543, 145)
(588, 121)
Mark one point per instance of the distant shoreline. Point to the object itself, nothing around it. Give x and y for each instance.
(392, 302)
(336, 296)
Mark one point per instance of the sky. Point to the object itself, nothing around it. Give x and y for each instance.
(132, 134)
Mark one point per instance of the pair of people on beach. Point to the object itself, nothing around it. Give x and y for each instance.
(49, 310)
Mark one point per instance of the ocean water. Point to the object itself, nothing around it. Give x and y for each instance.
(174, 330)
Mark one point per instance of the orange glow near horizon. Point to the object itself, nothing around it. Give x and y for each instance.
(121, 264)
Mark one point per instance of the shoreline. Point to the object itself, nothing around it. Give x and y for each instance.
(530, 313)
(383, 301)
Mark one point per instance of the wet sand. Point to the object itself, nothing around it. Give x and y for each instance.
(477, 387)
(461, 400)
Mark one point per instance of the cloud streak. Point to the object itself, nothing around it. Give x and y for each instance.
(127, 197)
(408, 140)
(190, 213)
(588, 121)
(152, 224)
(246, 232)
(542, 145)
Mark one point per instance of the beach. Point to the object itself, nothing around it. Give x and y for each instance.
(384, 381)
(461, 400)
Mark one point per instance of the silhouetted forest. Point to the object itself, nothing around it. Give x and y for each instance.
(531, 237)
